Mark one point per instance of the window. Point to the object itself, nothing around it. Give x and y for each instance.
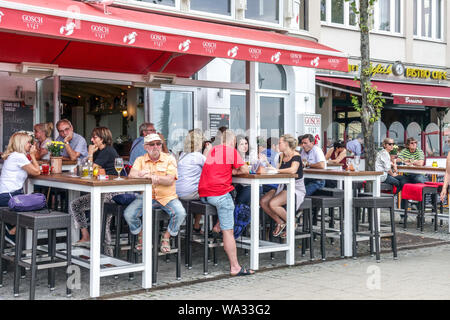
(428, 19)
(323, 10)
(237, 112)
(170, 3)
(238, 71)
(301, 14)
(216, 6)
(388, 16)
(385, 15)
(264, 10)
(338, 12)
(271, 76)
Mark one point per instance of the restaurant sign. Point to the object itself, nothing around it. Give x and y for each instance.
(310, 123)
(422, 101)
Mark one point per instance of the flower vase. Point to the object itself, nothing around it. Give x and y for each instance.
(56, 164)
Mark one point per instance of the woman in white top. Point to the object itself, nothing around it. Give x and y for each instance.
(42, 133)
(384, 164)
(17, 167)
(190, 165)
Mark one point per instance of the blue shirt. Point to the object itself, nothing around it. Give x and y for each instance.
(272, 157)
(137, 149)
(355, 147)
(78, 144)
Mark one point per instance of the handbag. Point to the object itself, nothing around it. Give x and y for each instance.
(27, 202)
(124, 199)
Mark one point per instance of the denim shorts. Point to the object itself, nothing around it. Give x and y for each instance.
(225, 210)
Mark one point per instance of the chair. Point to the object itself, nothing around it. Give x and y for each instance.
(417, 192)
(330, 192)
(374, 203)
(306, 234)
(42, 221)
(322, 203)
(116, 210)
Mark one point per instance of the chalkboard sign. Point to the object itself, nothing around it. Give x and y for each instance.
(16, 117)
(217, 120)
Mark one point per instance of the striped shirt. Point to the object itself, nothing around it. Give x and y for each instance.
(405, 154)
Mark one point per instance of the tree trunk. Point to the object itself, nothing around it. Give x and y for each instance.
(367, 111)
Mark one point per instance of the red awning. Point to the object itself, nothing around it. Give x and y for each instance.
(403, 93)
(74, 34)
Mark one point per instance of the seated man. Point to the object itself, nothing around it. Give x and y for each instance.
(355, 145)
(74, 145)
(137, 148)
(412, 155)
(315, 159)
(161, 168)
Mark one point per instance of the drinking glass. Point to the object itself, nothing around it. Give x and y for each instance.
(118, 165)
(348, 162)
(357, 160)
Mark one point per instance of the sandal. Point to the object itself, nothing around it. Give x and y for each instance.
(138, 245)
(279, 229)
(243, 272)
(197, 230)
(165, 248)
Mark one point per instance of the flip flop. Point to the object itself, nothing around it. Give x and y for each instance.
(243, 272)
(84, 244)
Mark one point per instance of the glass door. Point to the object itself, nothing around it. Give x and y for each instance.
(45, 89)
(271, 116)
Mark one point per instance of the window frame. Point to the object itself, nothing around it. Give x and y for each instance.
(232, 14)
(418, 19)
(392, 19)
(346, 23)
(154, 5)
(265, 23)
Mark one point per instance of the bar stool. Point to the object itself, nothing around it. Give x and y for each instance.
(306, 234)
(417, 192)
(374, 203)
(322, 203)
(330, 192)
(116, 210)
(208, 211)
(42, 221)
(439, 186)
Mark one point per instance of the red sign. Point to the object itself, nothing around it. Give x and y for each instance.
(419, 101)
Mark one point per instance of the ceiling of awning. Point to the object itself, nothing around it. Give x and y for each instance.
(73, 34)
(403, 93)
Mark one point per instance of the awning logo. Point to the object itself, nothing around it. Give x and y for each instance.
(315, 62)
(209, 47)
(158, 39)
(296, 57)
(413, 100)
(232, 53)
(1, 15)
(32, 22)
(100, 31)
(276, 57)
(130, 38)
(184, 46)
(68, 29)
(255, 53)
(333, 62)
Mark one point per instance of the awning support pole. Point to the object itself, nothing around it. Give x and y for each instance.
(251, 115)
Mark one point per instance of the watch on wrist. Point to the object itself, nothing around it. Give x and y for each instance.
(66, 142)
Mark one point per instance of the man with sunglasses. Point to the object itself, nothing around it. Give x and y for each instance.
(384, 164)
(137, 148)
(161, 168)
(412, 156)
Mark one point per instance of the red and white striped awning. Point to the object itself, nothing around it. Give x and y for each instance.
(74, 34)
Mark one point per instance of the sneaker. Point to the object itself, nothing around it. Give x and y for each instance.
(11, 239)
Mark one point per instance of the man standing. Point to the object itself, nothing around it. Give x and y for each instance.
(214, 187)
(161, 168)
(355, 145)
(74, 145)
(315, 159)
(414, 156)
(137, 148)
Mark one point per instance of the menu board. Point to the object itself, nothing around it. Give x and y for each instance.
(16, 117)
(217, 120)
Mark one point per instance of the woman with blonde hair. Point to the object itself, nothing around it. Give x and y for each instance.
(190, 165)
(274, 200)
(42, 133)
(17, 167)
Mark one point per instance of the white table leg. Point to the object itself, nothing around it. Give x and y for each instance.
(376, 187)
(348, 213)
(147, 238)
(254, 247)
(95, 242)
(290, 233)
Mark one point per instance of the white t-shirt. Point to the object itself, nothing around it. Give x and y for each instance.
(190, 167)
(13, 175)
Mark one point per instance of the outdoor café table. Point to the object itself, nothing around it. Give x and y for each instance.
(347, 177)
(101, 266)
(67, 165)
(425, 170)
(256, 246)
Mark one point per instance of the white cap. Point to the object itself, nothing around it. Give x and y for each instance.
(152, 137)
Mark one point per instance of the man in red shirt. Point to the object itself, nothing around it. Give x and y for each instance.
(222, 163)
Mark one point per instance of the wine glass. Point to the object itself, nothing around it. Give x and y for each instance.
(348, 162)
(357, 161)
(118, 165)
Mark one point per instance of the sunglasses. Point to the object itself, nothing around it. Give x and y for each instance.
(390, 144)
(154, 144)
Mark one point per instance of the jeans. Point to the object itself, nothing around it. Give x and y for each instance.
(225, 209)
(397, 181)
(312, 185)
(4, 197)
(174, 208)
(414, 178)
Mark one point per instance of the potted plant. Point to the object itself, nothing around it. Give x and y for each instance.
(55, 148)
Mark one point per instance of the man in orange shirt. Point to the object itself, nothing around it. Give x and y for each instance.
(161, 168)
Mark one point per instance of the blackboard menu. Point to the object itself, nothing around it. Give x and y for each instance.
(16, 117)
(217, 120)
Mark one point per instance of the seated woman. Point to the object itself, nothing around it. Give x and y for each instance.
(102, 154)
(383, 163)
(243, 191)
(17, 167)
(190, 164)
(43, 133)
(336, 154)
(273, 201)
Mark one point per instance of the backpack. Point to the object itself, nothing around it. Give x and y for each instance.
(242, 215)
(124, 199)
(27, 202)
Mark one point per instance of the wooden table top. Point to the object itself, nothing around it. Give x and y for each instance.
(266, 176)
(64, 162)
(343, 173)
(67, 178)
(421, 168)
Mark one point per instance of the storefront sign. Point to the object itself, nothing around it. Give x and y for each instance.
(426, 74)
(420, 101)
(217, 120)
(310, 123)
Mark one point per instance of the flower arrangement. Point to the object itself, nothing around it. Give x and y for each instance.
(55, 148)
(394, 150)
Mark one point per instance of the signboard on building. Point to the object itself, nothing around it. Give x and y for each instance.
(16, 117)
(217, 120)
(312, 124)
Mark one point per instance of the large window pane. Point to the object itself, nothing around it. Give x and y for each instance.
(264, 10)
(173, 116)
(237, 112)
(426, 18)
(271, 76)
(352, 14)
(303, 15)
(385, 15)
(416, 18)
(398, 16)
(238, 71)
(323, 10)
(216, 6)
(164, 2)
(438, 19)
(272, 116)
(337, 11)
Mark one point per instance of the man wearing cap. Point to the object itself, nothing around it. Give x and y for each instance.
(137, 148)
(161, 168)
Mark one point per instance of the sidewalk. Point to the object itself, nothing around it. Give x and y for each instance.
(418, 274)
